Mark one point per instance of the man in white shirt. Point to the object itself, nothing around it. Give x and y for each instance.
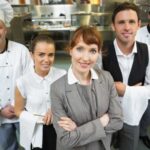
(14, 60)
(128, 62)
(143, 35)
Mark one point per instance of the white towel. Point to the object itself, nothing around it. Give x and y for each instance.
(37, 139)
(30, 131)
(135, 105)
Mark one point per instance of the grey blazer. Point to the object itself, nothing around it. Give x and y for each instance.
(89, 134)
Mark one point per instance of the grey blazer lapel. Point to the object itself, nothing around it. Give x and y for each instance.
(76, 105)
(102, 94)
(97, 88)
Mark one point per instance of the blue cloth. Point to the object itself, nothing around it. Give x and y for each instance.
(9, 136)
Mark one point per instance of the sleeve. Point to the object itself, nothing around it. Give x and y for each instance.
(20, 86)
(84, 134)
(115, 110)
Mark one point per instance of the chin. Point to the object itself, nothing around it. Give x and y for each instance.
(46, 70)
(82, 70)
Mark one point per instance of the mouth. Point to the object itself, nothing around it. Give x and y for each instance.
(126, 35)
(46, 66)
(85, 65)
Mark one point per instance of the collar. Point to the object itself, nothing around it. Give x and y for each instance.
(148, 28)
(38, 78)
(72, 79)
(119, 52)
(6, 47)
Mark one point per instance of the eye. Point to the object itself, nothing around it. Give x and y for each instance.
(41, 54)
(93, 51)
(79, 49)
(132, 21)
(121, 22)
(51, 54)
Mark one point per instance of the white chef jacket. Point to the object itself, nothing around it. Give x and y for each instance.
(13, 63)
(135, 100)
(36, 92)
(143, 35)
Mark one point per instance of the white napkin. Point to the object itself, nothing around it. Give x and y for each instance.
(30, 130)
(135, 104)
(37, 138)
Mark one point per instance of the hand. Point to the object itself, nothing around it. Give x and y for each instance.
(48, 117)
(121, 88)
(104, 120)
(8, 112)
(67, 124)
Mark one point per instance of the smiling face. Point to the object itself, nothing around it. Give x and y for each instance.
(125, 25)
(84, 57)
(43, 57)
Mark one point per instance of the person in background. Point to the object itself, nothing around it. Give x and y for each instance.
(85, 106)
(143, 35)
(32, 100)
(14, 61)
(129, 64)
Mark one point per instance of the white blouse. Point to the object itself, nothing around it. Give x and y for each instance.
(36, 89)
(36, 92)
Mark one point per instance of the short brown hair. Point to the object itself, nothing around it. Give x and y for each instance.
(89, 34)
(125, 6)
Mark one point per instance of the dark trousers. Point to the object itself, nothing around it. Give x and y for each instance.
(49, 138)
(145, 121)
(127, 138)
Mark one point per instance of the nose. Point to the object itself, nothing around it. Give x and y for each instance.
(46, 58)
(127, 26)
(86, 56)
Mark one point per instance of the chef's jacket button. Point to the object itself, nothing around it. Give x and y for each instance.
(9, 99)
(7, 77)
(8, 88)
(6, 63)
